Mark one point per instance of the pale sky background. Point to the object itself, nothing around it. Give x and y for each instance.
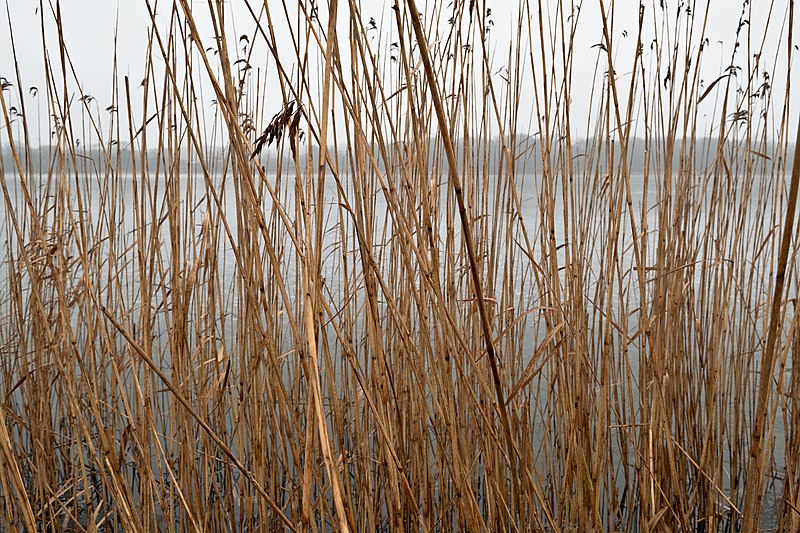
(89, 30)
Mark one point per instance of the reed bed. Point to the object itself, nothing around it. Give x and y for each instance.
(360, 290)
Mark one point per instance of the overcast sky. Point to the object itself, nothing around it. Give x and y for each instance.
(90, 26)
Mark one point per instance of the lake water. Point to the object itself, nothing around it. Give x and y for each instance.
(89, 201)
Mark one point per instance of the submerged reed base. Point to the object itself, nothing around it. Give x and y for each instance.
(385, 281)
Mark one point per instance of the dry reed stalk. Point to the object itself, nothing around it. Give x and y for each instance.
(755, 468)
(209, 329)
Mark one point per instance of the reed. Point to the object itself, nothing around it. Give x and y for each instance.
(322, 271)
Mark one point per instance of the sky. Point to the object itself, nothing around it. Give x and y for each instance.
(90, 28)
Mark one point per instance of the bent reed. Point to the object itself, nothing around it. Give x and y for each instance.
(319, 271)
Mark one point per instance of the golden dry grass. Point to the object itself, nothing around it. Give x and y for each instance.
(395, 309)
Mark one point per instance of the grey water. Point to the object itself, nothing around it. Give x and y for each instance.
(88, 200)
